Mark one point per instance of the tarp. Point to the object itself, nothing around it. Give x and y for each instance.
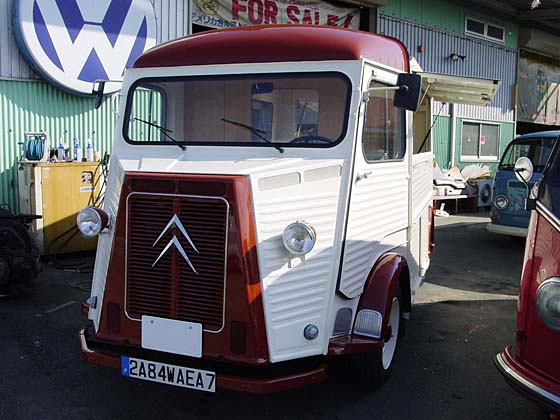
(232, 13)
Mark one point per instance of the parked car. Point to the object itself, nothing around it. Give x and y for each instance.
(532, 366)
(508, 215)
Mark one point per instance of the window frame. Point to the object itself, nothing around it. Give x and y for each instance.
(485, 35)
(479, 158)
(404, 128)
(240, 76)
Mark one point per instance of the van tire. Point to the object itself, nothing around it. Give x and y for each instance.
(373, 369)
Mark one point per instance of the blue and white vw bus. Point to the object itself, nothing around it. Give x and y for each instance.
(508, 215)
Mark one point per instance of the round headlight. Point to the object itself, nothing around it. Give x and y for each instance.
(501, 202)
(548, 303)
(299, 238)
(91, 221)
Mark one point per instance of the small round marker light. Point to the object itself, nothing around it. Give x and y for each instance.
(311, 332)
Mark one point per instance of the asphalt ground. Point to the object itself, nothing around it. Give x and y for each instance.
(465, 314)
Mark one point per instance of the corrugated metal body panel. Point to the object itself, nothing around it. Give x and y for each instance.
(441, 133)
(296, 291)
(483, 59)
(33, 106)
(422, 175)
(172, 17)
(371, 197)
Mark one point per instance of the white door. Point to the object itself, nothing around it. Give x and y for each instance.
(378, 210)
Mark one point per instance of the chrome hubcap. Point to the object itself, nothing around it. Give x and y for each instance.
(390, 346)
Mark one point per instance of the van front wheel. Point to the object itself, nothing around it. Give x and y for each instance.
(372, 369)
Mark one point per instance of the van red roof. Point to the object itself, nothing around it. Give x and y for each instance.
(276, 43)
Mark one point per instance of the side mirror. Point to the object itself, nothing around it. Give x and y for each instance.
(409, 93)
(524, 172)
(97, 91)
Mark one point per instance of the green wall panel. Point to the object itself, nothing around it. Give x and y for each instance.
(37, 106)
(446, 16)
(441, 137)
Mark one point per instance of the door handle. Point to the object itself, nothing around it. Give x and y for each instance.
(363, 175)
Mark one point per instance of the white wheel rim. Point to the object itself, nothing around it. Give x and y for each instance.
(390, 346)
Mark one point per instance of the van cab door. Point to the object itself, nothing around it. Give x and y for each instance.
(377, 218)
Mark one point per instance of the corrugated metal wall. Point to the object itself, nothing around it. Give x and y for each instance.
(484, 59)
(31, 105)
(441, 134)
(447, 16)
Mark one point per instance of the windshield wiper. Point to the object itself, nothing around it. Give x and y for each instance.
(163, 131)
(257, 132)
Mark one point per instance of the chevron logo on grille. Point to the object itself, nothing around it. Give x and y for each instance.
(174, 242)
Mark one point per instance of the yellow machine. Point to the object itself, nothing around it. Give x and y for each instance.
(57, 191)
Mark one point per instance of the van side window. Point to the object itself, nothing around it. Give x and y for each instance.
(384, 134)
(549, 191)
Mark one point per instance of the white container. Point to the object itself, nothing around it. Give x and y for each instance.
(77, 150)
(60, 153)
(89, 152)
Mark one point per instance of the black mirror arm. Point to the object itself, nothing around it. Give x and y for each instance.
(530, 204)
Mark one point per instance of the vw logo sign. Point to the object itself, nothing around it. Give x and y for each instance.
(72, 43)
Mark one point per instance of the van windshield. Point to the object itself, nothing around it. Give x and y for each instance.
(268, 110)
(536, 149)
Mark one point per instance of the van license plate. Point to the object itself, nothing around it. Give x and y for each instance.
(168, 374)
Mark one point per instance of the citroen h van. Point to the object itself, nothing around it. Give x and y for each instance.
(265, 211)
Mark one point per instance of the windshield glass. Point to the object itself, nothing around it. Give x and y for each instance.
(536, 149)
(306, 109)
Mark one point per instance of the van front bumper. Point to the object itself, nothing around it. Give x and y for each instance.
(282, 377)
(507, 230)
(528, 382)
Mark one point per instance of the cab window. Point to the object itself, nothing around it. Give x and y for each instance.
(384, 133)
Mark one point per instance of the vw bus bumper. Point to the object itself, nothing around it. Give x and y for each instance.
(507, 230)
(528, 382)
(255, 380)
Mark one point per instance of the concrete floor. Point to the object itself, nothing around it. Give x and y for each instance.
(465, 313)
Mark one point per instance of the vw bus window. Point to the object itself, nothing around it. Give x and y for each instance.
(288, 110)
(384, 134)
(538, 150)
(549, 190)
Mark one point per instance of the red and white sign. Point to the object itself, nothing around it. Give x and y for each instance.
(482, 139)
(232, 13)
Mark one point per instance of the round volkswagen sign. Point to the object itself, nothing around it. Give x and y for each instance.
(72, 43)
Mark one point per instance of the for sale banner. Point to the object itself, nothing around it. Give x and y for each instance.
(232, 13)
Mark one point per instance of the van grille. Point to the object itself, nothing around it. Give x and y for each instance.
(170, 288)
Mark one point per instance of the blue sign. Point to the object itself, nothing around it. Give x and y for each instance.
(72, 43)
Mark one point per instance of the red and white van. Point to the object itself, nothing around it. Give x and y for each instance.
(532, 366)
(266, 208)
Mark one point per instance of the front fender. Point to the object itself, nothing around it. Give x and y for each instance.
(380, 287)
